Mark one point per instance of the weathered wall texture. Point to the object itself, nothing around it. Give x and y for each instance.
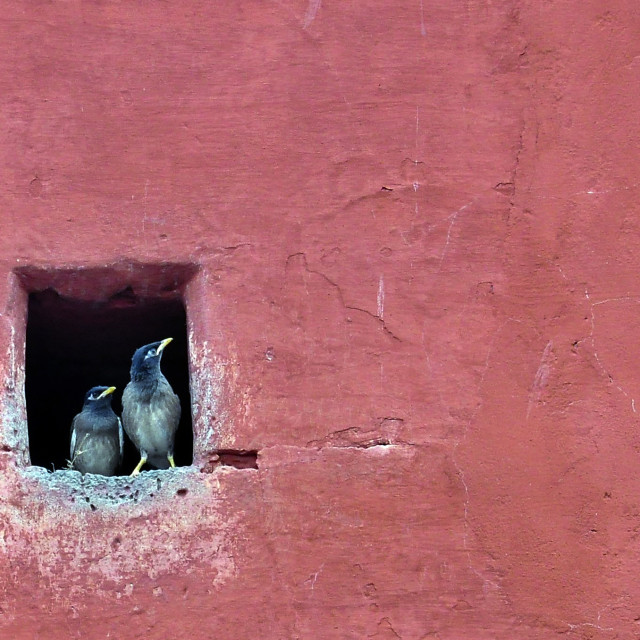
(417, 298)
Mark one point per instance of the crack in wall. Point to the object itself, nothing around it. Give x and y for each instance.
(340, 294)
(461, 474)
(592, 339)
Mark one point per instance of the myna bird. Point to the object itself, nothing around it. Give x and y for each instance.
(96, 435)
(150, 408)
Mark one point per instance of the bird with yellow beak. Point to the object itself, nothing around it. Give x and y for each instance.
(96, 435)
(150, 408)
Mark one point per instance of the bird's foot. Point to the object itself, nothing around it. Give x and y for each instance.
(171, 461)
(136, 471)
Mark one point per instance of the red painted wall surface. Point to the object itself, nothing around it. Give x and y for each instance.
(418, 298)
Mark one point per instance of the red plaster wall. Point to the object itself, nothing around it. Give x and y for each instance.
(416, 224)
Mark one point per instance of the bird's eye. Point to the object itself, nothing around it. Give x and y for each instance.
(151, 353)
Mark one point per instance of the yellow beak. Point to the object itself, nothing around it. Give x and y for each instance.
(106, 392)
(163, 344)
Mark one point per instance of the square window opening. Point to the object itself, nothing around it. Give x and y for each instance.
(75, 343)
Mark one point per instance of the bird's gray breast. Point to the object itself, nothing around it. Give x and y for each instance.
(95, 446)
(151, 418)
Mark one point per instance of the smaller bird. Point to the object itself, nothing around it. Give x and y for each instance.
(150, 408)
(96, 435)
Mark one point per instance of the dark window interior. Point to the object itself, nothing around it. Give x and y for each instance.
(73, 345)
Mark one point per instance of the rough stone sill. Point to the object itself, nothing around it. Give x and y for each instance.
(95, 492)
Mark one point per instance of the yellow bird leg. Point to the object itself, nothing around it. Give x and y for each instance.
(136, 471)
(170, 459)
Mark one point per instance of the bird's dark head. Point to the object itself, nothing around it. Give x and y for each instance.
(98, 397)
(146, 360)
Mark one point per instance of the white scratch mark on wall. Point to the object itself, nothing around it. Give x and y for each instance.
(601, 366)
(588, 624)
(415, 161)
(596, 624)
(591, 192)
(312, 9)
(423, 30)
(381, 298)
(541, 377)
(314, 577)
(452, 217)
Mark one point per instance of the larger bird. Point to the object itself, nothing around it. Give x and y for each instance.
(150, 408)
(96, 435)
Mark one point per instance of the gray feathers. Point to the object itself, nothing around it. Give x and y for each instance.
(151, 417)
(150, 408)
(96, 444)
